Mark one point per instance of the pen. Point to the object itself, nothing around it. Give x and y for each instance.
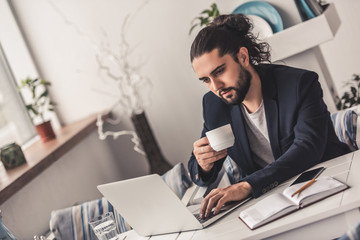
(304, 187)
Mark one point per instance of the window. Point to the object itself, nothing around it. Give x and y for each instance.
(16, 63)
(15, 123)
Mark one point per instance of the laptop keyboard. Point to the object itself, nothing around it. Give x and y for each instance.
(224, 208)
(202, 220)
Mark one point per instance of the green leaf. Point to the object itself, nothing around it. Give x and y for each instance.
(28, 81)
(192, 28)
(206, 11)
(214, 6)
(205, 20)
(35, 81)
(44, 94)
(194, 20)
(353, 91)
(338, 106)
(32, 109)
(33, 92)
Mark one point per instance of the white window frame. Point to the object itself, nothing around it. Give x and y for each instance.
(16, 51)
(18, 127)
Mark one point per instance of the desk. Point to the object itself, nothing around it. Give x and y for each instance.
(327, 219)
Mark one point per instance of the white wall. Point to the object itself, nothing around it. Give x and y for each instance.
(342, 54)
(160, 29)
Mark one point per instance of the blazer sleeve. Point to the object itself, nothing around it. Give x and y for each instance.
(310, 138)
(209, 108)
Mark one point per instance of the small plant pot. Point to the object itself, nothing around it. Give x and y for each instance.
(12, 156)
(45, 131)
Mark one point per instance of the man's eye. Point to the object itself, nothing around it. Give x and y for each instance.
(205, 80)
(219, 71)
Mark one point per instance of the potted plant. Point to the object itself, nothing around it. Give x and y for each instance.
(352, 96)
(40, 104)
(205, 17)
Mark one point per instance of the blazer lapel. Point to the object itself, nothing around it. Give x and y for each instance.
(271, 109)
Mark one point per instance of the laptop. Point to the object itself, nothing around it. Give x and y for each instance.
(150, 207)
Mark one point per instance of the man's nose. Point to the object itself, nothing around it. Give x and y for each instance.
(216, 84)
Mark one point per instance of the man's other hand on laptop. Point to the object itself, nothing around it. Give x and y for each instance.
(220, 196)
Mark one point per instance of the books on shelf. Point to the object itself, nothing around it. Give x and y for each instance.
(280, 204)
(309, 8)
(315, 7)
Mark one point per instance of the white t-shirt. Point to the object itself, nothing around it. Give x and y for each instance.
(258, 135)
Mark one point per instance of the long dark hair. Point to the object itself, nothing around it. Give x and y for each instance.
(228, 33)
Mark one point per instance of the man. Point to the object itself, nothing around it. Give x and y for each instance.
(280, 122)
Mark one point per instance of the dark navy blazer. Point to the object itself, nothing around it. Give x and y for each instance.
(300, 130)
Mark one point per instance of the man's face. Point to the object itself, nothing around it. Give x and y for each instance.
(225, 77)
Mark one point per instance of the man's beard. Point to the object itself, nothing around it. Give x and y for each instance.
(242, 88)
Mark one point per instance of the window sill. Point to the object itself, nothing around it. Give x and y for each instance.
(40, 156)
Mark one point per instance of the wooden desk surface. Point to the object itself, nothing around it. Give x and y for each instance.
(326, 219)
(39, 156)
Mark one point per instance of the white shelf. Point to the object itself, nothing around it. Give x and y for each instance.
(304, 36)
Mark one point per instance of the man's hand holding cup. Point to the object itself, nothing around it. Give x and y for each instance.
(213, 147)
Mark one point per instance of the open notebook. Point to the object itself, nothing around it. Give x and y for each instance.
(280, 204)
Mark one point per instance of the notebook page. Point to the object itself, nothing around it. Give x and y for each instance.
(323, 186)
(266, 210)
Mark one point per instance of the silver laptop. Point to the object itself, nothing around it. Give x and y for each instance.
(150, 207)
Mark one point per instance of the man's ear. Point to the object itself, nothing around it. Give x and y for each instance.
(243, 56)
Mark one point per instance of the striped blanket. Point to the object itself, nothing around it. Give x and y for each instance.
(345, 124)
(72, 222)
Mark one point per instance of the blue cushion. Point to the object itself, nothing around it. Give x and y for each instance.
(345, 125)
(178, 179)
(352, 234)
(232, 170)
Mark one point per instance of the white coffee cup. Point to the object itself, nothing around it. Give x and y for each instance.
(221, 138)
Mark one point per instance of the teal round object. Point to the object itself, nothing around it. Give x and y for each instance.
(264, 10)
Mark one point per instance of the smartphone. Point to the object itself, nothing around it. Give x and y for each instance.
(308, 175)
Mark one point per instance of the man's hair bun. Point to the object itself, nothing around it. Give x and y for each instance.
(236, 22)
(228, 33)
